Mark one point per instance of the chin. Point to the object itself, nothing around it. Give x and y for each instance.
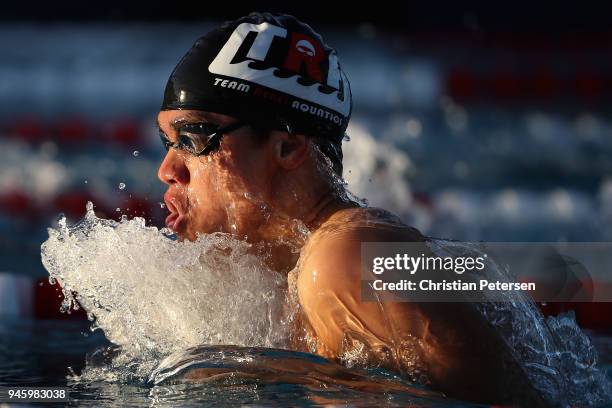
(191, 232)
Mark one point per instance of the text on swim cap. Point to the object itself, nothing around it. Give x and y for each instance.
(300, 54)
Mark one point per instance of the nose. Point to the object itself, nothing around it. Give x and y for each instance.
(173, 169)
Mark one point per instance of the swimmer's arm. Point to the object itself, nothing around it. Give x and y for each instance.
(329, 291)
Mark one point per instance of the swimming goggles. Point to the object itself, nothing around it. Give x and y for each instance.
(199, 139)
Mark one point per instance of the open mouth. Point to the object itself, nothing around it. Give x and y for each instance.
(175, 220)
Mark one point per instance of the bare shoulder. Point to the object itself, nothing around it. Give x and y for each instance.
(377, 222)
(329, 281)
(336, 245)
(369, 224)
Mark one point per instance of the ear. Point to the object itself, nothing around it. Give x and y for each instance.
(290, 150)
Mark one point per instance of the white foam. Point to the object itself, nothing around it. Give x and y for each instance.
(152, 295)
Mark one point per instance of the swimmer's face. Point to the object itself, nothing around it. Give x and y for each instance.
(223, 191)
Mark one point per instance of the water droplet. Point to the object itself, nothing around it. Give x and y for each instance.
(162, 205)
(136, 153)
(86, 182)
(121, 186)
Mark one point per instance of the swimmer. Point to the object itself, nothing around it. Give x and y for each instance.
(253, 119)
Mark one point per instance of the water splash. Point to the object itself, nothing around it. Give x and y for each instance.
(152, 295)
(557, 357)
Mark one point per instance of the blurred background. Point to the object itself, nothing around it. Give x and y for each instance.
(474, 124)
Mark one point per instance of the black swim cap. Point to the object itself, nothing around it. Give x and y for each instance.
(266, 68)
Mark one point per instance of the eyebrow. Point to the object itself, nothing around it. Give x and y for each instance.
(176, 123)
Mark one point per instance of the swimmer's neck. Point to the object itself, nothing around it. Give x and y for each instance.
(283, 241)
(327, 205)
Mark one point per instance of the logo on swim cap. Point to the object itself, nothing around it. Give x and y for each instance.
(305, 47)
(288, 62)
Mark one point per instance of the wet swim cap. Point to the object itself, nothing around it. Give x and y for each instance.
(266, 68)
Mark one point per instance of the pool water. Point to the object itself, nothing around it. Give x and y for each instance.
(53, 353)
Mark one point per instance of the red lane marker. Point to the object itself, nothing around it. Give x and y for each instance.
(17, 203)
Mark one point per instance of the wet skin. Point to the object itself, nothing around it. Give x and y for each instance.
(256, 190)
(452, 346)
